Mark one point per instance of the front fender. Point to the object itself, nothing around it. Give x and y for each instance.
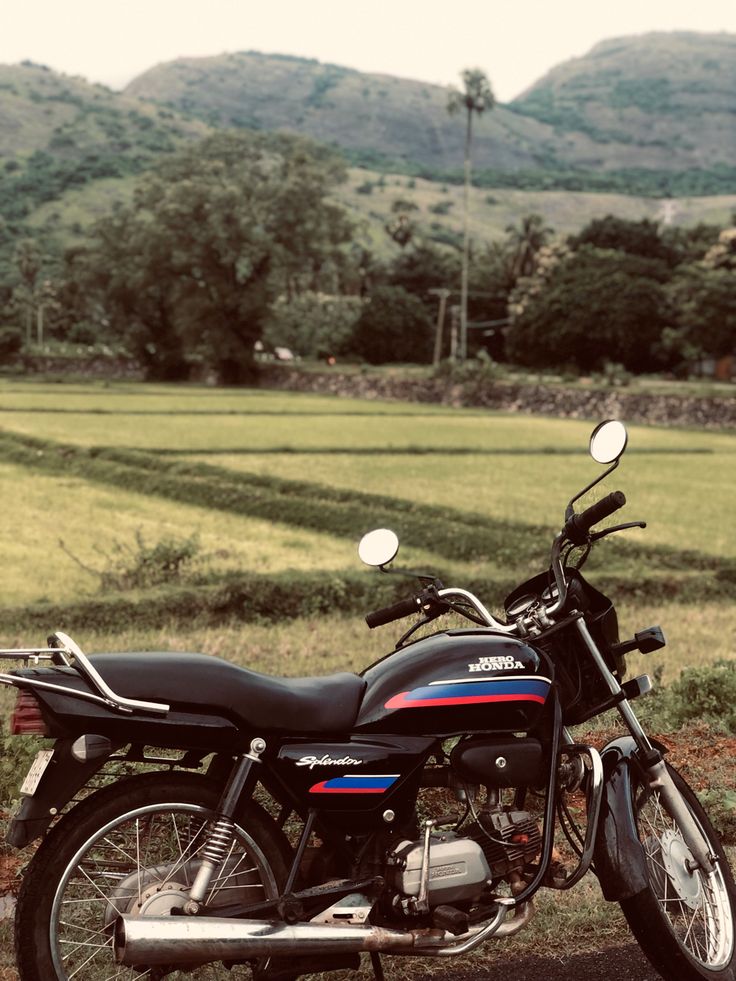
(619, 857)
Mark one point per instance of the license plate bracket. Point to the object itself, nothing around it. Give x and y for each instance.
(38, 768)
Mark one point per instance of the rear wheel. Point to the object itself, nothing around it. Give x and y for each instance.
(684, 921)
(134, 848)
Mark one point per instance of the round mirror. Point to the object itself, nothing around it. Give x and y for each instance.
(608, 441)
(378, 547)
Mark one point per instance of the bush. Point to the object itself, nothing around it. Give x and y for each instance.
(394, 326)
(11, 342)
(706, 694)
(142, 565)
(313, 325)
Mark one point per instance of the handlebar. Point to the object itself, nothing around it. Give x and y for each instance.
(404, 608)
(577, 527)
(436, 601)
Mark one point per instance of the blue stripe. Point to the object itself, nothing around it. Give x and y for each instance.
(359, 782)
(496, 686)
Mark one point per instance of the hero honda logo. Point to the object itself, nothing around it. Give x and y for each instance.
(312, 761)
(497, 662)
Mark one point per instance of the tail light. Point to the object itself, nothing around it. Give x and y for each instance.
(27, 718)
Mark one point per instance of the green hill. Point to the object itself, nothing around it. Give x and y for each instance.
(634, 120)
(664, 101)
(656, 104)
(59, 133)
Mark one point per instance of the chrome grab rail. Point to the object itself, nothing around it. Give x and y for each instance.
(73, 656)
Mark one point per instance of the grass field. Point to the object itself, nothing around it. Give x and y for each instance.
(271, 482)
(512, 474)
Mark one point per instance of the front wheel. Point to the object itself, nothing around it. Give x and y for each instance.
(134, 848)
(684, 921)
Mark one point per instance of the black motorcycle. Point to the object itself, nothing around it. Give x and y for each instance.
(202, 819)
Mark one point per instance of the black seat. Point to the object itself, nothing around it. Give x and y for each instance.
(308, 705)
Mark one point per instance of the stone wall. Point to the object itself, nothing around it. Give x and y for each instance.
(548, 400)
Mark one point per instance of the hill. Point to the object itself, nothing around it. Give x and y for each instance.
(634, 120)
(58, 133)
(656, 104)
(666, 101)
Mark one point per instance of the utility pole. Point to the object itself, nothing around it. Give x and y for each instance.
(454, 325)
(443, 294)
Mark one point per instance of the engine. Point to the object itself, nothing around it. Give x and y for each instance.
(462, 865)
(458, 870)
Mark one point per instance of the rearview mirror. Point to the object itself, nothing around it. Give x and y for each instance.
(608, 441)
(378, 547)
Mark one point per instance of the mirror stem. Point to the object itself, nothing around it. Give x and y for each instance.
(569, 510)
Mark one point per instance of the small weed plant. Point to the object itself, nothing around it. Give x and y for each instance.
(142, 565)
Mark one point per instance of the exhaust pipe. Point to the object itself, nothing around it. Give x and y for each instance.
(197, 940)
(152, 940)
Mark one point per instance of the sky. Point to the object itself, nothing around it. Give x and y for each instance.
(513, 41)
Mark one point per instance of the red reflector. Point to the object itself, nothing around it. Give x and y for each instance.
(26, 718)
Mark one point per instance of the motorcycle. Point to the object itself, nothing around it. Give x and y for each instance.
(202, 819)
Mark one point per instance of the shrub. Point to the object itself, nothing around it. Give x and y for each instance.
(393, 326)
(707, 694)
(142, 565)
(11, 341)
(313, 325)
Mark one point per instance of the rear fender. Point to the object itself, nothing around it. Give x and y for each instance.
(619, 857)
(63, 777)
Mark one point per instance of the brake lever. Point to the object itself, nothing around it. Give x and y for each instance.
(609, 531)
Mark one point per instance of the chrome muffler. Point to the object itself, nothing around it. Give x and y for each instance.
(152, 940)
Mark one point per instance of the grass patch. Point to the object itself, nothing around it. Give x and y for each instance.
(447, 532)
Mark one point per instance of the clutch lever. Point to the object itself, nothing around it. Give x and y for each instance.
(609, 531)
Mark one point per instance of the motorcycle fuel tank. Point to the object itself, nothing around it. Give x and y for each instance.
(456, 682)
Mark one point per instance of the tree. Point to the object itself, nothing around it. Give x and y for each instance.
(523, 243)
(635, 237)
(705, 303)
(191, 267)
(313, 325)
(393, 326)
(475, 97)
(28, 260)
(594, 306)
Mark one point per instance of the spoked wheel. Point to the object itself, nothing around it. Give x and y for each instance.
(684, 921)
(134, 848)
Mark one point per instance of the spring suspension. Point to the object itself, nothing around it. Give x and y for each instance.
(219, 841)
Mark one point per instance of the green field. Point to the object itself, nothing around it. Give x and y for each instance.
(281, 487)
(270, 482)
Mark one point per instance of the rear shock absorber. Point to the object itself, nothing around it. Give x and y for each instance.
(222, 830)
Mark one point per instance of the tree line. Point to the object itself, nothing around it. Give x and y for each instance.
(235, 244)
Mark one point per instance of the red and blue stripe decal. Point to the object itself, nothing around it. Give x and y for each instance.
(358, 784)
(442, 693)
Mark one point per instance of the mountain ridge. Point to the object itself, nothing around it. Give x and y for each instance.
(554, 124)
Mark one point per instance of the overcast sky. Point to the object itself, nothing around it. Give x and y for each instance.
(513, 41)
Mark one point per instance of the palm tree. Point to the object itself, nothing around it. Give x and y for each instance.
(475, 97)
(524, 242)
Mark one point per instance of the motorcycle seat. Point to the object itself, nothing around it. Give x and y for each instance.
(256, 701)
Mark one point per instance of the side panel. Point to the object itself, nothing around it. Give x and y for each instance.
(353, 782)
(457, 682)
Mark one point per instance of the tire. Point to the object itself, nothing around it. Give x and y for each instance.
(684, 921)
(108, 856)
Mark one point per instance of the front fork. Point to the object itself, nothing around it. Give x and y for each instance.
(652, 762)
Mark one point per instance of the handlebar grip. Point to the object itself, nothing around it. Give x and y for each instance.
(577, 528)
(404, 608)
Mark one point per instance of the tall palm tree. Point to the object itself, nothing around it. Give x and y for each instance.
(476, 96)
(524, 242)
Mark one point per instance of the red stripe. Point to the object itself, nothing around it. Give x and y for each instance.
(320, 788)
(401, 701)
